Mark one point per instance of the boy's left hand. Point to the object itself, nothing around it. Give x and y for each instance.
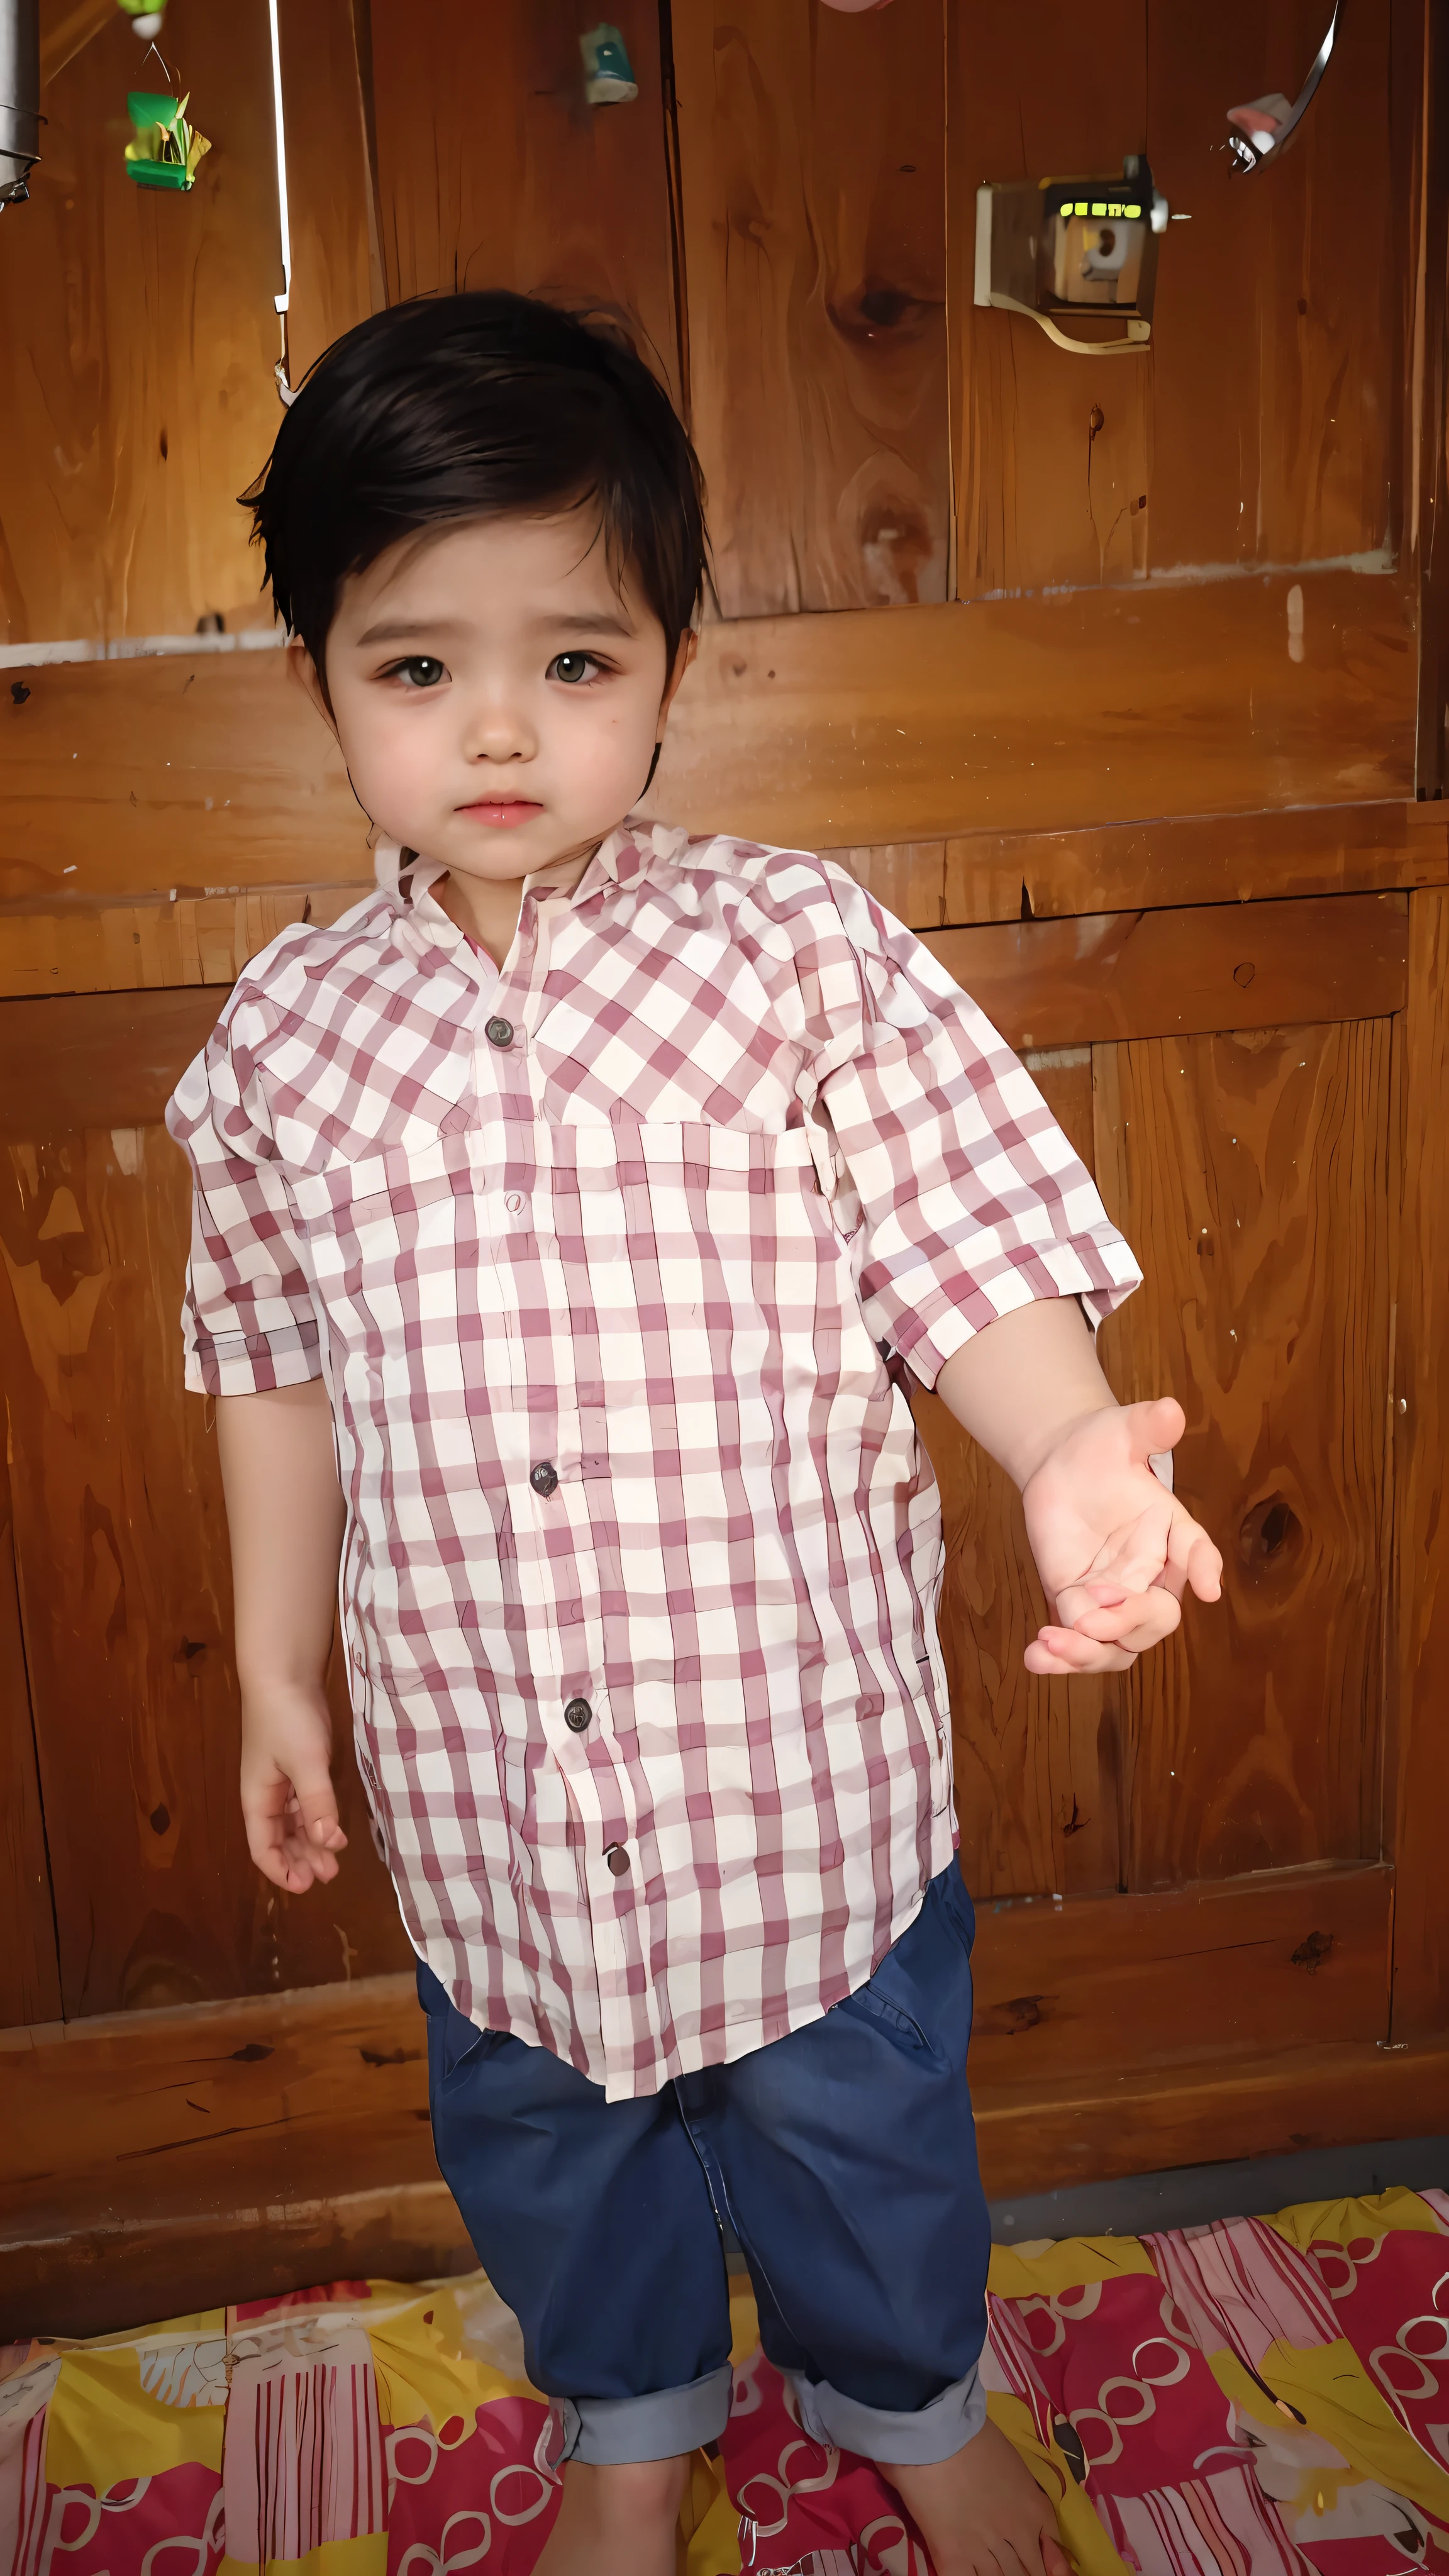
(1114, 1548)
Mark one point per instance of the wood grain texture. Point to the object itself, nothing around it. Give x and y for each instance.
(1038, 1796)
(139, 396)
(331, 179)
(29, 1971)
(125, 1595)
(859, 730)
(98, 1059)
(812, 157)
(494, 171)
(1252, 1176)
(1259, 428)
(1194, 858)
(150, 946)
(1217, 967)
(1137, 1982)
(1044, 714)
(1427, 392)
(1419, 1764)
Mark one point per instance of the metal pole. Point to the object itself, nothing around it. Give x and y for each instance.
(19, 97)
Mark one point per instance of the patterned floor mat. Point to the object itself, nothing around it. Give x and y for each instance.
(1263, 2397)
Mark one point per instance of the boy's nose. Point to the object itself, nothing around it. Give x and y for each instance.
(499, 730)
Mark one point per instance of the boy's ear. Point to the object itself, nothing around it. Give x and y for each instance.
(302, 669)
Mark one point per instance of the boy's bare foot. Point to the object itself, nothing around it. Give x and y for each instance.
(981, 2513)
(617, 2522)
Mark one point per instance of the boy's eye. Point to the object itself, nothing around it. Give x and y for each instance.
(572, 666)
(420, 670)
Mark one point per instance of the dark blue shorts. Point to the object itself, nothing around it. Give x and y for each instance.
(844, 2159)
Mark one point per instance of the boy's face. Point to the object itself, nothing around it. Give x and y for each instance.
(497, 695)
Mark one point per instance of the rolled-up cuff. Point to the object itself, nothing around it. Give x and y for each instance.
(914, 2441)
(611, 2432)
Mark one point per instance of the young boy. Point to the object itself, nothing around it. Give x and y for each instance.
(568, 1218)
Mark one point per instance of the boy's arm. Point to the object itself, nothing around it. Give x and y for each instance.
(1113, 1546)
(285, 1513)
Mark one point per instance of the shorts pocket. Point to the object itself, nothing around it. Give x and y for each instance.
(453, 2040)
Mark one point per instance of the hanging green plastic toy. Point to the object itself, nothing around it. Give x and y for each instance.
(608, 73)
(167, 149)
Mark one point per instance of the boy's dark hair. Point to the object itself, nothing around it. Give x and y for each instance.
(475, 406)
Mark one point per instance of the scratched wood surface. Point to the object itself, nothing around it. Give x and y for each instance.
(493, 170)
(331, 174)
(29, 1974)
(1259, 429)
(1252, 1175)
(811, 150)
(138, 395)
(1038, 1788)
(1420, 1741)
(121, 1545)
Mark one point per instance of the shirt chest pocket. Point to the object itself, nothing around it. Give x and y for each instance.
(391, 1241)
(710, 1209)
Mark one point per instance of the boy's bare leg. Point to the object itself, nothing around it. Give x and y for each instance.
(617, 2522)
(982, 2511)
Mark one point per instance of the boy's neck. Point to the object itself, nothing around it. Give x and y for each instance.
(487, 908)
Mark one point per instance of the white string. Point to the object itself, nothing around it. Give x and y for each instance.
(282, 301)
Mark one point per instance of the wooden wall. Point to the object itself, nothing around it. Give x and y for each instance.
(1118, 678)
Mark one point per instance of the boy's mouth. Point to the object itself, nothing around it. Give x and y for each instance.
(502, 812)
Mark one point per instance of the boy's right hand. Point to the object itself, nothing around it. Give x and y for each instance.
(288, 1801)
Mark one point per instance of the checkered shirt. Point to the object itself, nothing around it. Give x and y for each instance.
(611, 1268)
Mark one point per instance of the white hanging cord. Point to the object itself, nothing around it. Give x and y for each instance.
(282, 301)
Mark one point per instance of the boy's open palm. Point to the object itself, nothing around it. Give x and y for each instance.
(288, 1800)
(1114, 1548)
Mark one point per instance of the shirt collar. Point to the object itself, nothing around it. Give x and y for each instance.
(408, 879)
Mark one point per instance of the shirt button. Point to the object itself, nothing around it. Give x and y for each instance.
(514, 1202)
(499, 1033)
(618, 1860)
(578, 1718)
(543, 1478)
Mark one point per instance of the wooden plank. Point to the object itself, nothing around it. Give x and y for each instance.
(148, 946)
(1038, 1791)
(493, 170)
(1419, 1753)
(140, 336)
(856, 730)
(29, 1971)
(1252, 1176)
(812, 160)
(1259, 428)
(331, 181)
(125, 1582)
(1220, 967)
(1135, 1983)
(98, 1059)
(1428, 405)
(1044, 714)
(1194, 858)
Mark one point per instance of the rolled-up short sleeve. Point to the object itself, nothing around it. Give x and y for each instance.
(248, 1321)
(969, 1198)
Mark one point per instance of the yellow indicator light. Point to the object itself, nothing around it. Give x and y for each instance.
(1115, 210)
(1100, 210)
(1132, 213)
(1081, 207)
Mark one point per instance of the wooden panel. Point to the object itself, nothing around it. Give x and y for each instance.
(1044, 714)
(109, 1059)
(1137, 1982)
(29, 1972)
(858, 730)
(1194, 858)
(1419, 1767)
(327, 107)
(1428, 396)
(125, 1589)
(164, 775)
(908, 877)
(140, 2152)
(150, 946)
(1259, 428)
(493, 171)
(1038, 1793)
(1251, 1174)
(812, 159)
(1224, 967)
(140, 339)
